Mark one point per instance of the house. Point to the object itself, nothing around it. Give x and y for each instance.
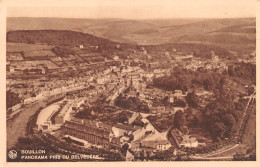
(115, 57)
(157, 108)
(149, 140)
(81, 46)
(171, 98)
(119, 130)
(140, 133)
(123, 140)
(157, 140)
(101, 80)
(117, 46)
(87, 130)
(129, 156)
(188, 141)
(60, 118)
(133, 117)
(96, 47)
(177, 93)
(176, 137)
(183, 140)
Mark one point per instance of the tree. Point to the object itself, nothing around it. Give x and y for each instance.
(229, 120)
(165, 100)
(179, 103)
(218, 130)
(192, 99)
(131, 137)
(208, 84)
(179, 119)
(222, 82)
(142, 155)
(12, 99)
(122, 118)
(63, 51)
(124, 148)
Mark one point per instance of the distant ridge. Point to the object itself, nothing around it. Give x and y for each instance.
(143, 32)
(74, 39)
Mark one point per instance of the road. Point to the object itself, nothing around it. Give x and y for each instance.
(222, 151)
(16, 127)
(17, 124)
(247, 111)
(217, 158)
(207, 157)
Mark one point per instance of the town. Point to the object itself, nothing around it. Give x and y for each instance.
(132, 101)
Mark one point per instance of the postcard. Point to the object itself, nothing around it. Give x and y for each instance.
(129, 82)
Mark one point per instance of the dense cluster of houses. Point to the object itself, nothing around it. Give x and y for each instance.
(110, 81)
(147, 139)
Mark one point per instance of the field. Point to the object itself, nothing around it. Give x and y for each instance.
(39, 53)
(25, 47)
(33, 63)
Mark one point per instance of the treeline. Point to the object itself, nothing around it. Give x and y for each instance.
(221, 117)
(12, 99)
(183, 79)
(58, 37)
(31, 124)
(132, 103)
(63, 51)
(199, 50)
(243, 70)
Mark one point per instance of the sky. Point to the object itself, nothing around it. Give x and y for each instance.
(132, 9)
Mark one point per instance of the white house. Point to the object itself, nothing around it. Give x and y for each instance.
(189, 141)
(118, 132)
(157, 140)
(129, 156)
(115, 57)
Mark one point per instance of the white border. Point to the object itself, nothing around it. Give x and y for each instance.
(72, 164)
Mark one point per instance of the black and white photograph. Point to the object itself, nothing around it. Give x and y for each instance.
(130, 80)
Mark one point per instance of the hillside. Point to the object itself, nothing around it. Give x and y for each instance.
(58, 37)
(133, 31)
(240, 39)
(74, 39)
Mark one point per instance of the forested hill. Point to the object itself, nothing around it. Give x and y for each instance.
(58, 37)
